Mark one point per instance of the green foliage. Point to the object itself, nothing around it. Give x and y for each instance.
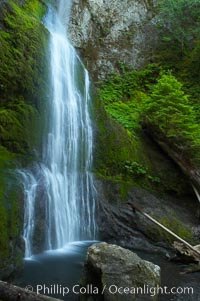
(154, 179)
(119, 87)
(114, 144)
(179, 22)
(134, 168)
(125, 113)
(178, 46)
(138, 170)
(168, 109)
(155, 100)
(126, 85)
(122, 94)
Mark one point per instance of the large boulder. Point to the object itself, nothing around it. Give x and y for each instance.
(119, 273)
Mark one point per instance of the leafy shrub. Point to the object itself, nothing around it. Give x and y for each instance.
(134, 168)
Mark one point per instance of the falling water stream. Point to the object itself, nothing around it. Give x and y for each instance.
(67, 154)
(65, 170)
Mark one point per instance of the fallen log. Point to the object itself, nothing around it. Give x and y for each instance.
(185, 254)
(10, 292)
(192, 248)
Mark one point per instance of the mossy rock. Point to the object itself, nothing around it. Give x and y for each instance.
(175, 225)
(23, 86)
(23, 47)
(113, 144)
(10, 205)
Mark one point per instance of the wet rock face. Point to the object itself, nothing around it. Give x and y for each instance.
(118, 224)
(111, 267)
(111, 33)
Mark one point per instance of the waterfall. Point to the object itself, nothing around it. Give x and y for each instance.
(30, 188)
(67, 157)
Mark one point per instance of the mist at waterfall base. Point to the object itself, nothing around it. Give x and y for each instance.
(58, 268)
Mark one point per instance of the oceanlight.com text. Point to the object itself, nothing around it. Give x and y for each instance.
(57, 289)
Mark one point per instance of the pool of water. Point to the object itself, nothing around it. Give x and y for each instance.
(55, 273)
(172, 275)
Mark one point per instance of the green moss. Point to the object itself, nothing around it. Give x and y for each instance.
(23, 70)
(162, 174)
(124, 189)
(35, 8)
(9, 208)
(175, 225)
(23, 41)
(114, 144)
(4, 250)
(15, 122)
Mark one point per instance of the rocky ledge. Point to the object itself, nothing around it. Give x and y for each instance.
(111, 32)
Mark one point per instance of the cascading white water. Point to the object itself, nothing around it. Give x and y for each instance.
(67, 153)
(30, 189)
